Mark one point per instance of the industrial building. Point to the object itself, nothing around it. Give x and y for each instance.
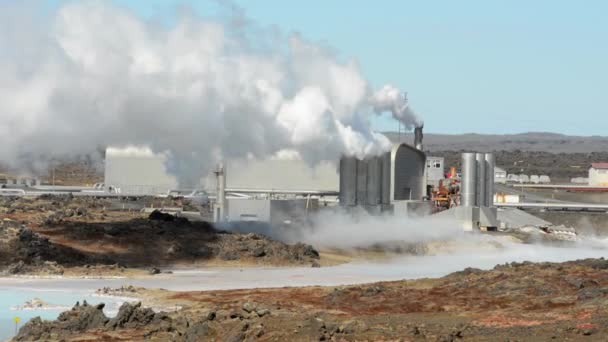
(137, 171)
(598, 175)
(477, 210)
(500, 176)
(435, 170)
(378, 183)
(276, 212)
(279, 175)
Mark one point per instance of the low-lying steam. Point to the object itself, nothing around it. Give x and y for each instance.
(92, 74)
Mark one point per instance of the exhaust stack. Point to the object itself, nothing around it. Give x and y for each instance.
(219, 212)
(418, 137)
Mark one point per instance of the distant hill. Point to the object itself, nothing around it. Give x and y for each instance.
(532, 142)
(559, 156)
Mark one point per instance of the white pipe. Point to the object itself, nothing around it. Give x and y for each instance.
(553, 205)
(286, 191)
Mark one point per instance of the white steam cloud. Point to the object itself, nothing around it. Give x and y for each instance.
(92, 74)
(347, 230)
(391, 99)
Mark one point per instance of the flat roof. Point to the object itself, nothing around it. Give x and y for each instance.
(599, 166)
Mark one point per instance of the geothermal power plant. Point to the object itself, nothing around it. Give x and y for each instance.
(402, 182)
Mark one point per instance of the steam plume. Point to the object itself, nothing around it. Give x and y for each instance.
(92, 74)
(391, 99)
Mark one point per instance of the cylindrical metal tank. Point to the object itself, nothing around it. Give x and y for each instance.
(481, 180)
(490, 164)
(469, 185)
(348, 181)
(374, 180)
(361, 182)
(386, 178)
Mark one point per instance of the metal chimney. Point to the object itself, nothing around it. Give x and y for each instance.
(469, 185)
(219, 213)
(418, 136)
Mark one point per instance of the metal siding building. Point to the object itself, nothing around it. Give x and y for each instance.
(273, 174)
(408, 173)
(137, 172)
(379, 181)
(598, 174)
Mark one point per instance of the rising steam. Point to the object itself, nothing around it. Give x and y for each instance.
(92, 74)
(391, 99)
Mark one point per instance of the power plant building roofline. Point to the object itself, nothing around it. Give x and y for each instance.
(599, 166)
(399, 145)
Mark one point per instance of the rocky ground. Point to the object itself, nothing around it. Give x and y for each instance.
(512, 302)
(72, 236)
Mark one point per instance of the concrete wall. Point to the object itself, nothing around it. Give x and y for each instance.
(598, 177)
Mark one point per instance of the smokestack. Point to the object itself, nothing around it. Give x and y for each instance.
(469, 184)
(219, 213)
(418, 137)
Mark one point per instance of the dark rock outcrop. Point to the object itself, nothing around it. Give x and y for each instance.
(78, 320)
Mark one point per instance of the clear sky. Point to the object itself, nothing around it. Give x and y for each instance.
(485, 66)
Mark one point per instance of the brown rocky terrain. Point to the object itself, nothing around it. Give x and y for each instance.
(64, 235)
(512, 302)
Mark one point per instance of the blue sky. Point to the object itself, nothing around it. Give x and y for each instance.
(501, 66)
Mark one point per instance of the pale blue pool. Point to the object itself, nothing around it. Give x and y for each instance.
(11, 297)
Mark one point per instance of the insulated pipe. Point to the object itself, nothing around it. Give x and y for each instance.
(481, 180)
(469, 174)
(490, 164)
